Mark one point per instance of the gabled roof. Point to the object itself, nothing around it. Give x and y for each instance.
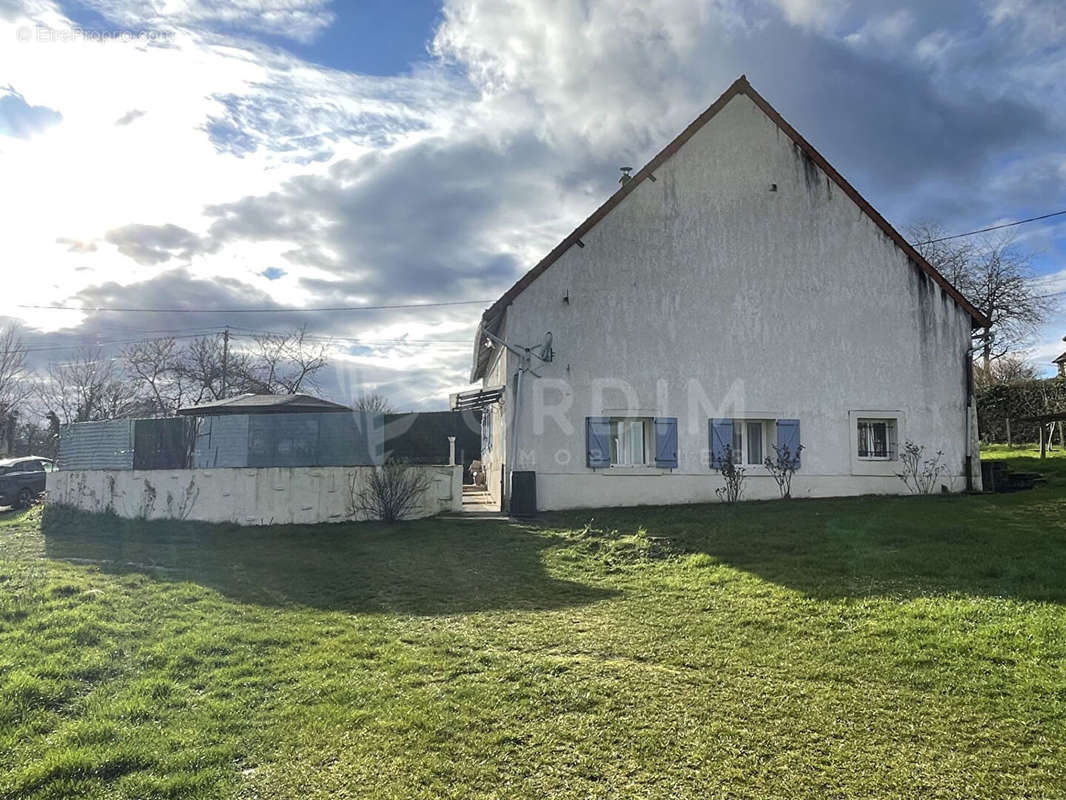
(490, 320)
(1060, 360)
(262, 404)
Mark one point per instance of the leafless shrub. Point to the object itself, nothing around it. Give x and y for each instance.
(920, 475)
(733, 476)
(372, 403)
(390, 492)
(782, 467)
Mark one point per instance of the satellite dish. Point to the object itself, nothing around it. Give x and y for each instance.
(546, 348)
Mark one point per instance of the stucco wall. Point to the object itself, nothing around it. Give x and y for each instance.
(265, 496)
(707, 294)
(493, 459)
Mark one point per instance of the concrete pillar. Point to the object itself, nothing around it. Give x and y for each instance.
(451, 451)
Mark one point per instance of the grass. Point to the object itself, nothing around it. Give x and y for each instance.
(859, 648)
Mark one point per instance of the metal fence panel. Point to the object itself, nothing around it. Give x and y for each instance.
(330, 439)
(422, 437)
(221, 442)
(97, 445)
(163, 443)
(334, 439)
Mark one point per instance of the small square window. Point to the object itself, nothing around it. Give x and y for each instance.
(877, 439)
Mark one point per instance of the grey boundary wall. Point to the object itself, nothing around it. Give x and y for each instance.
(246, 496)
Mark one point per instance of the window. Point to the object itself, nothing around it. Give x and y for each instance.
(749, 441)
(628, 440)
(752, 441)
(486, 430)
(631, 442)
(877, 439)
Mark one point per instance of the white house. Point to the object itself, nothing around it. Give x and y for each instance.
(736, 290)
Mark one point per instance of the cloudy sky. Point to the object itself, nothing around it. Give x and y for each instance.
(249, 154)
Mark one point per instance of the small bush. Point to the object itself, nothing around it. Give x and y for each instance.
(733, 476)
(782, 467)
(392, 492)
(920, 475)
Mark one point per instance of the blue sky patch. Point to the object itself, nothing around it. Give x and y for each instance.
(20, 119)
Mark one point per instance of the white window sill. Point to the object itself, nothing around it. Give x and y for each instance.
(638, 469)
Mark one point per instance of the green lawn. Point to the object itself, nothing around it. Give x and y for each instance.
(871, 647)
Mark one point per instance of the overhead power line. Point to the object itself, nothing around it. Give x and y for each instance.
(296, 310)
(249, 333)
(992, 228)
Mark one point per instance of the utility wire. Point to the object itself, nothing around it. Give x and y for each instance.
(991, 228)
(249, 332)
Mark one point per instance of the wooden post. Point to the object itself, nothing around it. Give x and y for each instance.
(1043, 442)
(1008, 432)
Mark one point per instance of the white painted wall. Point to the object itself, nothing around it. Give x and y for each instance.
(266, 496)
(706, 294)
(493, 459)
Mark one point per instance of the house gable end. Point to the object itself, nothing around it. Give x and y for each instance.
(812, 160)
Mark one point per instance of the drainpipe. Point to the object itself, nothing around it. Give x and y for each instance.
(971, 412)
(968, 366)
(514, 431)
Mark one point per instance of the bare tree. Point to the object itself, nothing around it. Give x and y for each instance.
(997, 277)
(1007, 370)
(373, 403)
(284, 363)
(88, 388)
(208, 368)
(155, 366)
(14, 375)
(200, 367)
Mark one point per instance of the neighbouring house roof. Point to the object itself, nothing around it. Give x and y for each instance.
(1060, 360)
(263, 404)
(492, 317)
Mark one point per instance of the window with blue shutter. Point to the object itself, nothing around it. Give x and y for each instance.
(666, 442)
(598, 441)
(788, 435)
(721, 438)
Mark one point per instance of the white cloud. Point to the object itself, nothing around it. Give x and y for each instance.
(812, 13)
(300, 20)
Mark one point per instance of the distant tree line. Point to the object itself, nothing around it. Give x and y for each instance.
(995, 274)
(153, 378)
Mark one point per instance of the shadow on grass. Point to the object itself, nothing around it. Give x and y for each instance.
(424, 568)
(1011, 546)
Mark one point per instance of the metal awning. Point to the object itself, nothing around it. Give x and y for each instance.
(479, 398)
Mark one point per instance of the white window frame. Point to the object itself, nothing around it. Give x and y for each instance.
(741, 454)
(648, 447)
(891, 438)
(874, 465)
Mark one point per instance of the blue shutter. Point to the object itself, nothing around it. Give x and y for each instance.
(788, 435)
(666, 442)
(598, 441)
(721, 438)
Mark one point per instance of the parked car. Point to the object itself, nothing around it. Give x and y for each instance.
(22, 480)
